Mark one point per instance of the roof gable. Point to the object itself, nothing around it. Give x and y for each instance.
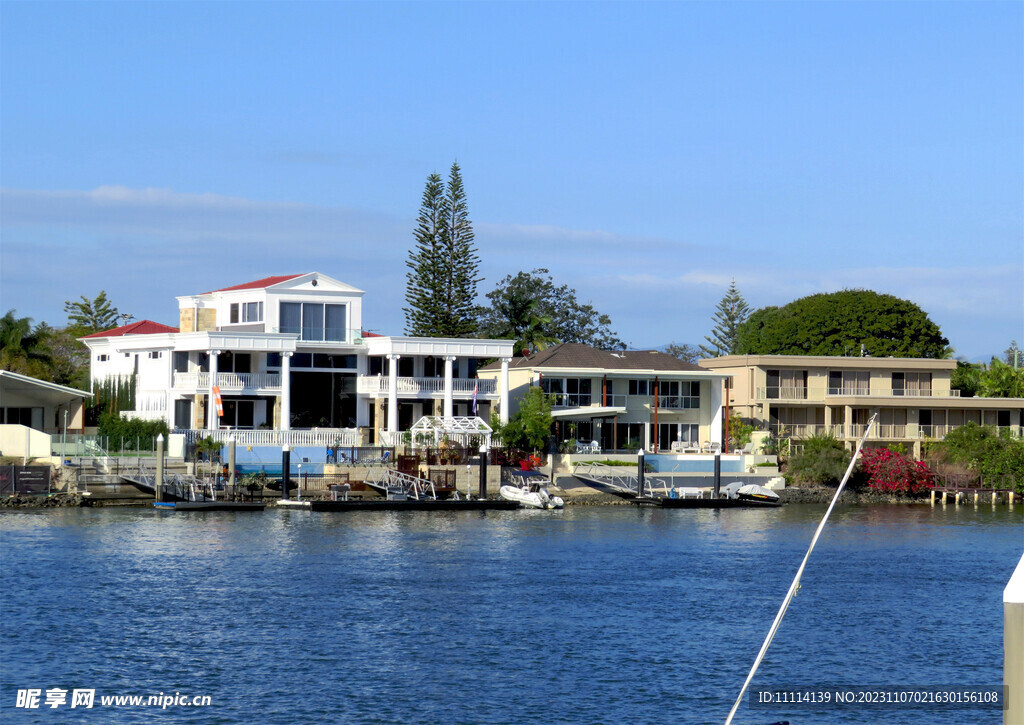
(309, 281)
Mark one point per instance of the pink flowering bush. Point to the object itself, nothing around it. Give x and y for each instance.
(893, 472)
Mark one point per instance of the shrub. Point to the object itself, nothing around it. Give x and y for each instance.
(822, 460)
(989, 452)
(893, 472)
(129, 433)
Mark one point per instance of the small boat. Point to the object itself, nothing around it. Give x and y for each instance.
(753, 492)
(529, 490)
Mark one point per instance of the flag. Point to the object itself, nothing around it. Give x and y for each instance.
(476, 389)
(217, 401)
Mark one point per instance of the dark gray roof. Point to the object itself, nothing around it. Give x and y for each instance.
(575, 355)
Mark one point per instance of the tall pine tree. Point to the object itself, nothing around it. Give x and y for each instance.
(731, 312)
(423, 282)
(441, 283)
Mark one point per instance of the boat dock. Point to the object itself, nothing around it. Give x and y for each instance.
(400, 505)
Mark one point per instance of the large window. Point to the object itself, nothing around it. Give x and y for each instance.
(679, 394)
(568, 392)
(314, 321)
(246, 312)
(912, 384)
(849, 382)
(640, 387)
(786, 384)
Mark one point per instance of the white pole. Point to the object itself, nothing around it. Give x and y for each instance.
(796, 580)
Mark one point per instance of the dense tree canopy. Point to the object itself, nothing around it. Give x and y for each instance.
(535, 312)
(851, 322)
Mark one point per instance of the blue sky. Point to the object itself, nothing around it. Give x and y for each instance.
(646, 154)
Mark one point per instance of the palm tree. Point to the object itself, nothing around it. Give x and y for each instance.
(22, 348)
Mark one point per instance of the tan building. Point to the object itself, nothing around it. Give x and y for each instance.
(803, 395)
(621, 400)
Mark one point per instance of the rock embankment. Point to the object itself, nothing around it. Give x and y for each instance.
(822, 494)
(57, 500)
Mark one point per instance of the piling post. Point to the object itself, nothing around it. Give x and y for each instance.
(718, 474)
(943, 498)
(483, 472)
(158, 482)
(286, 466)
(231, 463)
(640, 473)
(932, 496)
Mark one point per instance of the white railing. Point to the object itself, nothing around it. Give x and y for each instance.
(229, 381)
(461, 387)
(814, 393)
(320, 437)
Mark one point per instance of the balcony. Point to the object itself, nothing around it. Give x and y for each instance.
(795, 393)
(229, 382)
(881, 431)
(380, 385)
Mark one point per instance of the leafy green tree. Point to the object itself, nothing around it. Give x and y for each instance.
(531, 309)
(994, 454)
(1002, 381)
(21, 347)
(685, 352)
(68, 359)
(443, 266)
(851, 322)
(530, 427)
(732, 311)
(87, 316)
(966, 378)
(822, 460)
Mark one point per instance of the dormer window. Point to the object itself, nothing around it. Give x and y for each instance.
(242, 312)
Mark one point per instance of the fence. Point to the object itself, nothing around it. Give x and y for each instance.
(970, 480)
(28, 480)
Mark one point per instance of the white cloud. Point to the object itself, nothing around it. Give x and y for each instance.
(145, 246)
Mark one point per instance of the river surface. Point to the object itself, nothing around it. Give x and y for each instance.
(587, 615)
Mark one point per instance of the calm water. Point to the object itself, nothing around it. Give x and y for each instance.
(589, 615)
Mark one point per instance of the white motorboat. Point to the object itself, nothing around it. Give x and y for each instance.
(530, 491)
(749, 492)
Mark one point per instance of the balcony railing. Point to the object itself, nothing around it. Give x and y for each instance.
(336, 335)
(428, 387)
(883, 431)
(318, 437)
(229, 381)
(786, 393)
(679, 401)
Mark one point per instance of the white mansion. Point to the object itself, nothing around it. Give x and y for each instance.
(290, 352)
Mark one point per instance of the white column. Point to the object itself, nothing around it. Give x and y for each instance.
(503, 388)
(715, 434)
(449, 403)
(286, 391)
(393, 393)
(212, 423)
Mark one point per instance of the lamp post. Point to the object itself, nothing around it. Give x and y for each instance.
(158, 482)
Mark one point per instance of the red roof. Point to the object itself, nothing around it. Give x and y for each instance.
(258, 284)
(142, 327)
(371, 334)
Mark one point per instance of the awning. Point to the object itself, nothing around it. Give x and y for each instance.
(599, 411)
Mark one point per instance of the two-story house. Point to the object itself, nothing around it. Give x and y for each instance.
(802, 395)
(289, 352)
(622, 399)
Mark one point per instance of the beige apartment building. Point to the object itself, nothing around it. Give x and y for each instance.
(803, 395)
